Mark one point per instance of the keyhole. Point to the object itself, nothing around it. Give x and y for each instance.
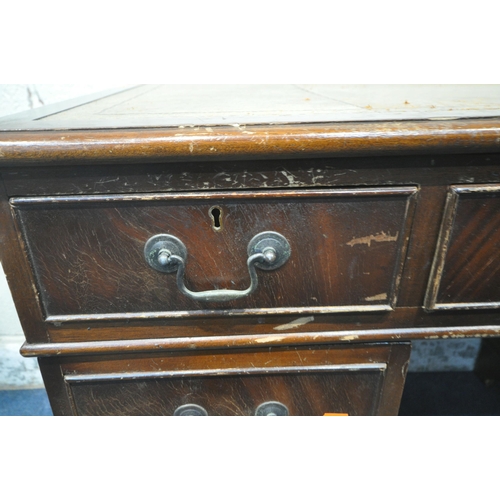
(216, 215)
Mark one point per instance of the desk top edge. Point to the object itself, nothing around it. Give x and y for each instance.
(146, 122)
(252, 142)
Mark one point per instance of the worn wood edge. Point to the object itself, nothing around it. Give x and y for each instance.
(254, 340)
(218, 195)
(264, 141)
(411, 205)
(79, 318)
(443, 241)
(394, 380)
(224, 372)
(476, 188)
(444, 306)
(19, 274)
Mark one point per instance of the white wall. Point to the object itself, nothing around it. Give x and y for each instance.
(15, 371)
(15, 98)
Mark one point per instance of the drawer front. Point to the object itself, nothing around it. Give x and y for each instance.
(346, 251)
(303, 381)
(466, 269)
(349, 392)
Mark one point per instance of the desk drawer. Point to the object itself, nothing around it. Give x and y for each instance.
(357, 380)
(347, 249)
(466, 268)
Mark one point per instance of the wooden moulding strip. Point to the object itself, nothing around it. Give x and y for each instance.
(266, 195)
(92, 377)
(75, 318)
(252, 341)
(328, 139)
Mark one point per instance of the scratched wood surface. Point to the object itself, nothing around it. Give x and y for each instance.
(134, 339)
(361, 380)
(204, 175)
(259, 142)
(432, 173)
(347, 248)
(466, 271)
(216, 175)
(103, 319)
(311, 394)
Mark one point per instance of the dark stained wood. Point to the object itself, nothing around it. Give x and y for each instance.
(309, 381)
(57, 388)
(410, 322)
(287, 141)
(306, 394)
(367, 208)
(395, 379)
(466, 270)
(88, 252)
(405, 319)
(425, 230)
(19, 275)
(201, 176)
(244, 341)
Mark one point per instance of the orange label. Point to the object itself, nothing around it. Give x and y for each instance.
(336, 414)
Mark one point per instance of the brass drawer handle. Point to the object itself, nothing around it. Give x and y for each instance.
(167, 254)
(272, 409)
(190, 410)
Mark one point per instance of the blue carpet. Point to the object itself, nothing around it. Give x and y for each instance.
(33, 402)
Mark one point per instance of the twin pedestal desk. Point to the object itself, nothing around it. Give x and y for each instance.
(249, 250)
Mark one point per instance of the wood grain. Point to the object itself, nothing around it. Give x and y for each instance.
(19, 274)
(365, 206)
(311, 381)
(88, 252)
(305, 394)
(286, 141)
(466, 270)
(190, 344)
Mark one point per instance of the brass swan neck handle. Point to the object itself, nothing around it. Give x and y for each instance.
(166, 253)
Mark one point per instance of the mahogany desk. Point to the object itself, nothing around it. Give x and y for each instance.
(241, 250)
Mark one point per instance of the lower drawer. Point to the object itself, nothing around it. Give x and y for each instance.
(353, 380)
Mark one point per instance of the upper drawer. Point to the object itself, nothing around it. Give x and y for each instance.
(466, 268)
(346, 253)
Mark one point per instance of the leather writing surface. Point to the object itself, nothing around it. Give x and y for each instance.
(236, 105)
